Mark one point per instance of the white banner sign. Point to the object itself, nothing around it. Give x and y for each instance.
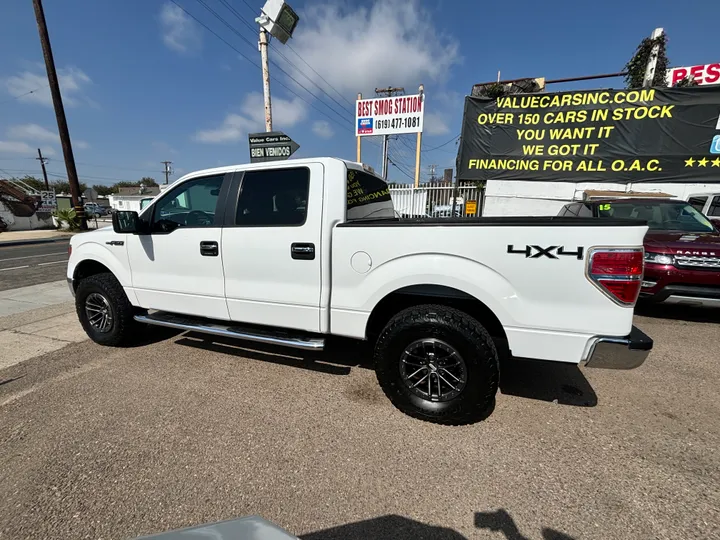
(703, 74)
(48, 201)
(389, 115)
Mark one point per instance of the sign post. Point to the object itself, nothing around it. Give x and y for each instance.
(359, 99)
(419, 143)
(272, 146)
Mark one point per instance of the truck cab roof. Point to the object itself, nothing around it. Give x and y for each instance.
(276, 165)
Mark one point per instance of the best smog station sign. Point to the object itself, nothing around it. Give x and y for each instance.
(646, 135)
(389, 116)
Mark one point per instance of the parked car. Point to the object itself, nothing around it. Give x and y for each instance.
(93, 209)
(682, 247)
(290, 252)
(708, 204)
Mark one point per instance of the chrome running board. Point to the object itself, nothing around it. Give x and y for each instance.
(227, 329)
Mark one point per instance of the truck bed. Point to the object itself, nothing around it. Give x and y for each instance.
(509, 221)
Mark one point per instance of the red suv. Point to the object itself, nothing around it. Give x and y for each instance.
(682, 247)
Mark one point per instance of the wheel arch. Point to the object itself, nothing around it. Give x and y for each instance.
(415, 295)
(87, 268)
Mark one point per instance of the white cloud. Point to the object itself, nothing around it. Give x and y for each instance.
(32, 87)
(323, 129)
(434, 124)
(37, 134)
(179, 32)
(20, 147)
(32, 132)
(235, 126)
(390, 43)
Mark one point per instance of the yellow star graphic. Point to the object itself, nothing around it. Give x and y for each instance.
(716, 162)
(689, 162)
(703, 162)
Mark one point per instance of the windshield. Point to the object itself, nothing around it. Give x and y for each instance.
(661, 215)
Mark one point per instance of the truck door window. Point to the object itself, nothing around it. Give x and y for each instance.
(714, 209)
(191, 204)
(274, 198)
(698, 202)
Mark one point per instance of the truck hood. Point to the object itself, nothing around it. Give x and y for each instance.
(98, 235)
(676, 242)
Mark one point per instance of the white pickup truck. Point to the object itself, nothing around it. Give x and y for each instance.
(288, 253)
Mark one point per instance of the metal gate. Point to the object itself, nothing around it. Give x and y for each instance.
(437, 200)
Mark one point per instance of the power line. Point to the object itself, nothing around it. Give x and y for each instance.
(153, 171)
(278, 51)
(321, 77)
(22, 95)
(246, 40)
(410, 176)
(256, 65)
(456, 137)
(87, 177)
(251, 27)
(9, 175)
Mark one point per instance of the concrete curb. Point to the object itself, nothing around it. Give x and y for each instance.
(32, 241)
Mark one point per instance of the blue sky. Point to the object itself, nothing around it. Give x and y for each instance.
(143, 82)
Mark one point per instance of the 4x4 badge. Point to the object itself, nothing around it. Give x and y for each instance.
(551, 252)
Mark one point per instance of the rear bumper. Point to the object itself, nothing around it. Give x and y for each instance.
(626, 352)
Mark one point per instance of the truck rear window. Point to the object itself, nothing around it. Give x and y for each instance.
(367, 197)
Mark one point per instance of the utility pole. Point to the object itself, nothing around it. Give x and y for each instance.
(263, 46)
(42, 164)
(389, 92)
(60, 114)
(167, 170)
(432, 172)
(652, 61)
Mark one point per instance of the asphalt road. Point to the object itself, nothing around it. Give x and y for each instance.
(21, 266)
(115, 443)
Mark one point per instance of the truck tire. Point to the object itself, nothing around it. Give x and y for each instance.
(438, 364)
(104, 310)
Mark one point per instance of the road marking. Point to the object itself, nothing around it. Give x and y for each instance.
(34, 256)
(54, 262)
(14, 268)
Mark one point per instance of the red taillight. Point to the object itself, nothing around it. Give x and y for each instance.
(618, 273)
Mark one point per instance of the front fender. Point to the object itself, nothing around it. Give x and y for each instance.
(114, 260)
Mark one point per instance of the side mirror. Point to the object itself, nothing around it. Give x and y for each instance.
(126, 222)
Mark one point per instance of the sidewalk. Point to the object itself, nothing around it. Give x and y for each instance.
(37, 331)
(36, 320)
(14, 301)
(16, 238)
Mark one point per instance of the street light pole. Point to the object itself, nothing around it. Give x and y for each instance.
(263, 46)
(277, 19)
